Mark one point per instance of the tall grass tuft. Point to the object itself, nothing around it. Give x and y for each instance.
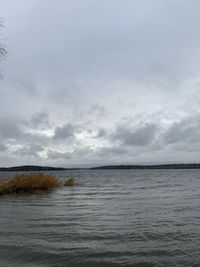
(28, 182)
(70, 182)
(2, 187)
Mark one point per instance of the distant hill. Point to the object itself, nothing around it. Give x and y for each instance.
(32, 168)
(143, 167)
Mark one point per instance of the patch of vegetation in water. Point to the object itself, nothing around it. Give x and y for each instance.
(31, 182)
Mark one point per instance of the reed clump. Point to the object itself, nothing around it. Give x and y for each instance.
(2, 187)
(70, 182)
(28, 183)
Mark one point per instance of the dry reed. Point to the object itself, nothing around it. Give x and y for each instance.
(28, 182)
(70, 182)
(31, 182)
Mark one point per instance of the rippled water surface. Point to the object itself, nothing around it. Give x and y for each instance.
(111, 218)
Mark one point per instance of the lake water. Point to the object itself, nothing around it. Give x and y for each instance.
(111, 218)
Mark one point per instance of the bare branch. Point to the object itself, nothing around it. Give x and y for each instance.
(3, 50)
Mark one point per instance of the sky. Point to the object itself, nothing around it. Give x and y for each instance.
(99, 82)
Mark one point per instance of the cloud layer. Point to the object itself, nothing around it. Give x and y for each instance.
(100, 82)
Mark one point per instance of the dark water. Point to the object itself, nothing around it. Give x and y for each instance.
(111, 218)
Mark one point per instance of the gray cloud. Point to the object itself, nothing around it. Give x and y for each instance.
(116, 151)
(98, 110)
(56, 155)
(9, 129)
(37, 138)
(64, 132)
(140, 136)
(127, 144)
(30, 151)
(186, 131)
(2, 147)
(110, 78)
(17, 130)
(101, 133)
(40, 120)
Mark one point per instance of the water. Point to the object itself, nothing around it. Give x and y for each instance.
(138, 218)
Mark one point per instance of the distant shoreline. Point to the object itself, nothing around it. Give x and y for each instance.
(34, 168)
(151, 167)
(106, 167)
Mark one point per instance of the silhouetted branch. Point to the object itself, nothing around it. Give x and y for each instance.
(3, 50)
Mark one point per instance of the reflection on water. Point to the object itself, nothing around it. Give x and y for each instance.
(111, 218)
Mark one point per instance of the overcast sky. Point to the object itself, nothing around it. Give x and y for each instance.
(96, 82)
